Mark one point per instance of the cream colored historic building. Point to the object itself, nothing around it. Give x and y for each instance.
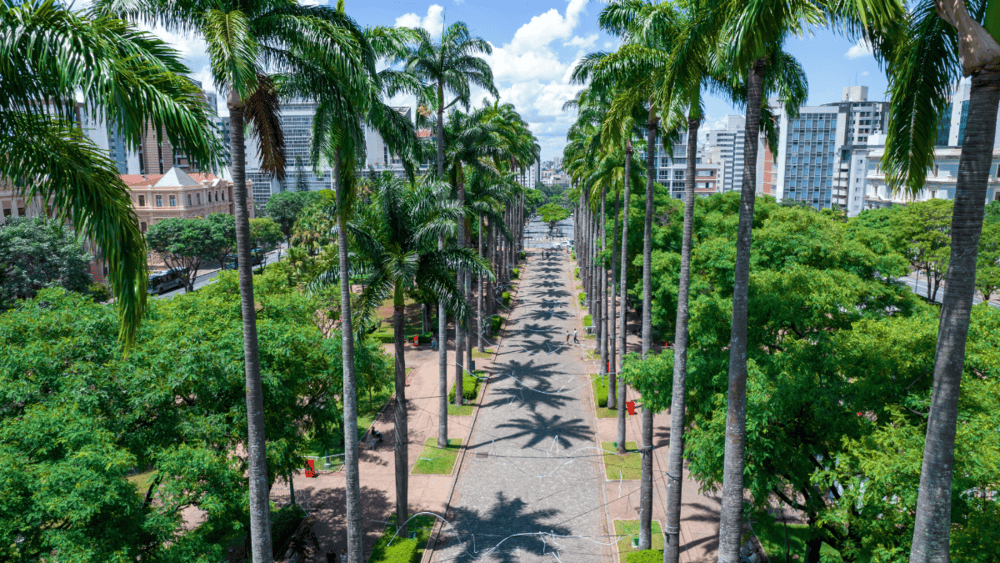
(157, 197)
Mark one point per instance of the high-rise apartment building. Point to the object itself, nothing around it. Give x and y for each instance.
(815, 148)
(729, 143)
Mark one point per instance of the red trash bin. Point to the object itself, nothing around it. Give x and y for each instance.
(630, 405)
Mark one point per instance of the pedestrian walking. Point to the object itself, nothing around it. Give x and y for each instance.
(567, 337)
(575, 339)
(434, 343)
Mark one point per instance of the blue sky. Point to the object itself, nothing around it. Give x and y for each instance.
(537, 43)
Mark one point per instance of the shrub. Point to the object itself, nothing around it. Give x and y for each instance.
(470, 388)
(523, 255)
(506, 299)
(495, 322)
(401, 551)
(576, 273)
(645, 556)
(283, 524)
(583, 298)
(601, 391)
(587, 321)
(388, 337)
(574, 255)
(515, 273)
(100, 292)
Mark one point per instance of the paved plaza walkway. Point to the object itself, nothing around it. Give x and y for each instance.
(530, 485)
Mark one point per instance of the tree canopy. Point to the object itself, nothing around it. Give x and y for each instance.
(37, 253)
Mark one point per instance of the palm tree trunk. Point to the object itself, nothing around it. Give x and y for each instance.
(731, 518)
(260, 507)
(460, 281)
(401, 434)
(479, 293)
(675, 461)
(442, 367)
(622, 322)
(602, 289)
(613, 320)
(933, 517)
(440, 131)
(646, 486)
(352, 475)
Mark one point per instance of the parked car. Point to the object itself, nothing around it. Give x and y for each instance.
(163, 281)
(256, 258)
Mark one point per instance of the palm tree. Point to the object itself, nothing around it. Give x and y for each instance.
(932, 46)
(754, 35)
(128, 77)
(337, 138)
(396, 241)
(450, 65)
(243, 38)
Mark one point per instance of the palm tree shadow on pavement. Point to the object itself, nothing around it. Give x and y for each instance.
(495, 534)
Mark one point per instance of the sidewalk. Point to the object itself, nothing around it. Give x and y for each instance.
(324, 495)
(699, 512)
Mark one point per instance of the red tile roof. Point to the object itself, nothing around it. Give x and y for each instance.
(136, 180)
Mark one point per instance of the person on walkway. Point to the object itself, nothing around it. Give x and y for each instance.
(567, 337)
(575, 339)
(434, 343)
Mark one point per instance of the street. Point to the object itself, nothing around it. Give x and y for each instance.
(205, 279)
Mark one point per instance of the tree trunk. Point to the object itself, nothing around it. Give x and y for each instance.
(675, 461)
(602, 290)
(460, 340)
(260, 507)
(731, 518)
(623, 279)
(481, 286)
(401, 435)
(352, 477)
(613, 319)
(442, 367)
(424, 323)
(933, 516)
(646, 487)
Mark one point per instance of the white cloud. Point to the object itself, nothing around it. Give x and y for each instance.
(864, 73)
(582, 42)
(609, 44)
(546, 28)
(861, 49)
(433, 22)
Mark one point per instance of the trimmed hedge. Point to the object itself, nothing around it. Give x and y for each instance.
(495, 322)
(470, 388)
(601, 392)
(583, 298)
(387, 337)
(506, 299)
(576, 273)
(283, 525)
(587, 321)
(515, 273)
(523, 255)
(645, 556)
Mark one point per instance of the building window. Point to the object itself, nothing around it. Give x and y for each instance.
(173, 201)
(217, 197)
(223, 195)
(142, 201)
(189, 200)
(159, 201)
(198, 198)
(142, 227)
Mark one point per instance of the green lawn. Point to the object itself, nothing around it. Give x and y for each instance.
(630, 529)
(437, 461)
(403, 549)
(772, 538)
(488, 354)
(601, 397)
(464, 410)
(622, 466)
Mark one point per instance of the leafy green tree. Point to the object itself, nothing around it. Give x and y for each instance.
(284, 208)
(988, 266)
(183, 244)
(54, 54)
(924, 231)
(552, 213)
(533, 198)
(37, 253)
(73, 432)
(222, 233)
(265, 236)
